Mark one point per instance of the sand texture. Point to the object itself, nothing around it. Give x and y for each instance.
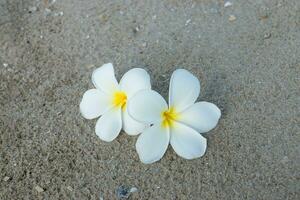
(247, 56)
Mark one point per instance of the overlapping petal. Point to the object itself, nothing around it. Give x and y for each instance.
(202, 116)
(187, 142)
(135, 80)
(184, 89)
(94, 103)
(131, 126)
(109, 125)
(104, 78)
(152, 144)
(146, 106)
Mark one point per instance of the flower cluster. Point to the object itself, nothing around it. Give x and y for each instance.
(131, 105)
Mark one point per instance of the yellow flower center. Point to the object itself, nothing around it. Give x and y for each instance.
(119, 99)
(168, 117)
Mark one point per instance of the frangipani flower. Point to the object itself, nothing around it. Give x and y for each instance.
(109, 100)
(179, 123)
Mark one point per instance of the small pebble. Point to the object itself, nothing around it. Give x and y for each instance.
(267, 35)
(264, 13)
(232, 18)
(5, 64)
(39, 189)
(90, 66)
(227, 4)
(47, 11)
(6, 178)
(133, 189)
(59, 14)
(70, 188)
(144, 44)
(124, 192)
(32, 9)
(285, 159)
(187, 22)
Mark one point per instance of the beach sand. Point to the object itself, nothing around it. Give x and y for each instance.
(247, 57)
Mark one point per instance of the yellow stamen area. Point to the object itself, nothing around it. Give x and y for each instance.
(168, 117)
(119, 99)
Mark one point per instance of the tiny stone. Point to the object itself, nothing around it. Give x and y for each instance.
(90, 66)
(39, 189)
(47, 11)
(187, 22)
(285, 159)
(58, 14)
(70, 188)
(133, 189)
(267, 35)
(123, 192)
(144, 44)
(6, 178)
(264, 13)
(232, 18)
(5, 64)
(32, 9)
(227, 4)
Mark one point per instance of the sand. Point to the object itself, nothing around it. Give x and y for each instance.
(247, 56)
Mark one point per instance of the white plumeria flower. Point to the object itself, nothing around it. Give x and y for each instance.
(109, 99)
(180, 123)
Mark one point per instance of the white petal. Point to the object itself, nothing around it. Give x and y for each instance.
(135, 80)
(109, 125)
(104, 78)
(131, 126)
(152, 144)
(147, 106)
(94, 103)
(202, 116)
(184, 89)
(187, 142)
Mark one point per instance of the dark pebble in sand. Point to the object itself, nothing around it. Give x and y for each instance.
(123, 192)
